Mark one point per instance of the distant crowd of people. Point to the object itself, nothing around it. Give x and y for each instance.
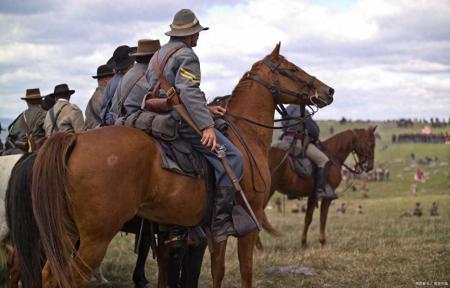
(417, 211)
(421, 138)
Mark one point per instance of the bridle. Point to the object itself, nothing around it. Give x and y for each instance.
(275, 88)
(276, 92)
(360, 155)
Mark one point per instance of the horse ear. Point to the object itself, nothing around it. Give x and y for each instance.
(373, 128)
(275, 53)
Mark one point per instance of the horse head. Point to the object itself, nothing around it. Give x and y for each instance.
(364, 148)
(288, 83)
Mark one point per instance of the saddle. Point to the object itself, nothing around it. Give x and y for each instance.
(299, 163)
(177, 155)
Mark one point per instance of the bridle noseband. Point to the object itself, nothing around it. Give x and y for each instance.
(275, 88)
(359, 150)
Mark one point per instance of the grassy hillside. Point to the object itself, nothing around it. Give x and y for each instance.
(376, 249)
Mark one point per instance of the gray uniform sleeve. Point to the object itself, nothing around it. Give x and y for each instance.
(187, 82)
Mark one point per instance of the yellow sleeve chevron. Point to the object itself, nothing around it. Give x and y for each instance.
(188, 75)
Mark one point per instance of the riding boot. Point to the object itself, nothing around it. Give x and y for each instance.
(222, 224)
(321, 183)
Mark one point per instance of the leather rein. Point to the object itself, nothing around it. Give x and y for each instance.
(276, 92)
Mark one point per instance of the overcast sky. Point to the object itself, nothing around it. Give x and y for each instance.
(385, 58)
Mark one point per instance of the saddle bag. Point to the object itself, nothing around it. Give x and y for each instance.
(162, 126)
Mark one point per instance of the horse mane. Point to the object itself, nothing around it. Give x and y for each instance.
(244, 83)
(336, 140)
(21, 223)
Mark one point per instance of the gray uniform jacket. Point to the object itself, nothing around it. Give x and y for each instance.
(310, 124)
(69, 118)
(183, 72)
(31, 121)
(93, 107)
(108, 95)
(130, 91)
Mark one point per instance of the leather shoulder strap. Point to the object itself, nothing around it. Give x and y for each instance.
(24, 120)
(159, 68)
(124, 97)
(54, 117)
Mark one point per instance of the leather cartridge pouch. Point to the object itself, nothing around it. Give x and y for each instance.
(158, 105)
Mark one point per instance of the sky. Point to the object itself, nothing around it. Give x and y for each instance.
(386, 59)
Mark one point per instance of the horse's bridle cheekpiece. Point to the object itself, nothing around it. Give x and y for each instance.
(185, 23)
(275, 88)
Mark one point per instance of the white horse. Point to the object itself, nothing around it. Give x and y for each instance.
(6, 165)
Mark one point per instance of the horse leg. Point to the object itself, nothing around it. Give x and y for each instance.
(218, 262)
(13, 267)
(89, 257)
(163, 260)
(324, 207)
(47, 280)
(245, 254)
(308, 219)
(192, 265)
(139, 279)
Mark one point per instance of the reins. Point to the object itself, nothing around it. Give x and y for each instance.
(276, 92)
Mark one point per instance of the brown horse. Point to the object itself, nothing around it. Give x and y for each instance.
(87, 185)
(338, 148)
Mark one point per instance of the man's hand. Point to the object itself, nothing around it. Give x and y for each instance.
(209, 138)
(217, 111)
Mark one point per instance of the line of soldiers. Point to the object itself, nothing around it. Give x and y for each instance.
(45, 115)
(134, 79)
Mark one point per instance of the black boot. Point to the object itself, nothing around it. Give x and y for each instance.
(222, 224)
(321, 183)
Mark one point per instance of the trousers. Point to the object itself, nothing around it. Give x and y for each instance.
(233, 155)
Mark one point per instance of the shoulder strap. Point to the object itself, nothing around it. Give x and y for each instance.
(135, 80)
(24, 118)
(54, 117)
(159, 69)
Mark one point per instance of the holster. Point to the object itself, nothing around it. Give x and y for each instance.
(22, 145)
(158, 105)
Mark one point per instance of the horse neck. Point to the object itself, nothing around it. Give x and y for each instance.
(341, 145)
(255, 102)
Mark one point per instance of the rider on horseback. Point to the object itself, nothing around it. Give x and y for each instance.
(312, 152)
(180, 66)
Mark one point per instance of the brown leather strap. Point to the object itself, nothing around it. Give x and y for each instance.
(159, 69)
(122, 100)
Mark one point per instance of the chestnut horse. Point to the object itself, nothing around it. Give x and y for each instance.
(87, 185)
(338, 148)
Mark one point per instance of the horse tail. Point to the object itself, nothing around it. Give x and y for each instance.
(21, 223)
(51, 206)
(269, 228)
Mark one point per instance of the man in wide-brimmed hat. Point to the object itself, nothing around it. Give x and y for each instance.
(182, 72)
(92, 113)
(121, 62)
(134, 86)
(27, 128)
(63, 116)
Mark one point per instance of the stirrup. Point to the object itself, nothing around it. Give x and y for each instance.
(326, 193)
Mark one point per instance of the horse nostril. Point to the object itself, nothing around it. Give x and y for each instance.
(331, 91)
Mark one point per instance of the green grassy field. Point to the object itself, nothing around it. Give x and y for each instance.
(376, 249)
